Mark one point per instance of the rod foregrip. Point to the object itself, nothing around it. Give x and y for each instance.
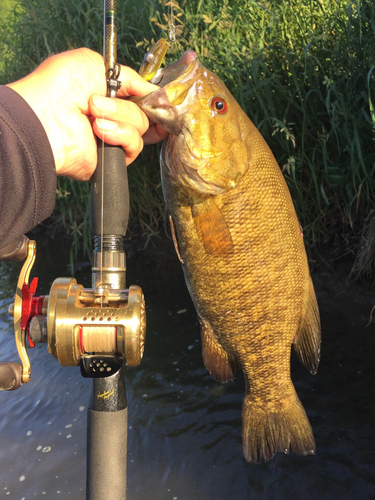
(109, 191)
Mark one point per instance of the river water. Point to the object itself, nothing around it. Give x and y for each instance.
(185, 428)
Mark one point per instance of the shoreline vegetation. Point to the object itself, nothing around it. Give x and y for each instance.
(303, 72)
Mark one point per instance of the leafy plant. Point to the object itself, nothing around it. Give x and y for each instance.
(302, 71)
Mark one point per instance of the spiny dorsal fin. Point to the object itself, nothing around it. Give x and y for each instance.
(212, 228)
(307, 340)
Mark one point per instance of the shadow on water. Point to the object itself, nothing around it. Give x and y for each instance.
(184, 428)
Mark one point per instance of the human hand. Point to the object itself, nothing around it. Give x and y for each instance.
(67, 93)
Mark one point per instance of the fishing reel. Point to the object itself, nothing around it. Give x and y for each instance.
(95, 329)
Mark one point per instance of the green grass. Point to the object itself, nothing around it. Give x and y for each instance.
(6, 6)
(303, 72)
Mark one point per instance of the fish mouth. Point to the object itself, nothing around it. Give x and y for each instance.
(169, 107)
(161, 105)
(175, 70)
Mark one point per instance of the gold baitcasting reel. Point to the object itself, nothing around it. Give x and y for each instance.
(80, 325)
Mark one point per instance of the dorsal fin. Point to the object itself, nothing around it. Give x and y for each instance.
(212, 228)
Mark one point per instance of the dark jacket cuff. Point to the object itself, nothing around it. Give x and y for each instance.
(27, 168)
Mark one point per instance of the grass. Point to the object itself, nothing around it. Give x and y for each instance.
(303, 72)
(38, 29)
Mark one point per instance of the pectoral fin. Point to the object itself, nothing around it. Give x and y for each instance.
(170, 231)
(307, 340)
(221, 365)
(212, 228)
(167, 226)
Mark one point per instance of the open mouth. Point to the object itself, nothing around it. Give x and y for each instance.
(174, 83)
(175, 70)
(161, 106)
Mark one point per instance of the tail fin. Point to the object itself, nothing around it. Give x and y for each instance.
(265, 432)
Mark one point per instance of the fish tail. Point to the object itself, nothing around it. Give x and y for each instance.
(266, 430)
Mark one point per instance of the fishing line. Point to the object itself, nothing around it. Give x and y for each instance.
(102, 173)
(172, 27)
(102, 219)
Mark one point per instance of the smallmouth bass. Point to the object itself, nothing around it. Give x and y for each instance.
(241, 247)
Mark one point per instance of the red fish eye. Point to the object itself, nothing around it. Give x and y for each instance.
(220, 105)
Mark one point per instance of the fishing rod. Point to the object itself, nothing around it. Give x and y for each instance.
(107, 422)
(100, 329)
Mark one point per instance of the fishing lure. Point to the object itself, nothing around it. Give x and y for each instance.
(154, 59)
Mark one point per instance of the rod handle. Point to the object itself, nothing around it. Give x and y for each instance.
(110, 192)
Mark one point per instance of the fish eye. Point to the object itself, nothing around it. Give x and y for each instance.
(220, 105)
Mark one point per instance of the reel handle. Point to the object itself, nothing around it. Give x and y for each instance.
(15, 251)
(10, 376)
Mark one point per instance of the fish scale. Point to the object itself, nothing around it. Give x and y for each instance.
(237, 234)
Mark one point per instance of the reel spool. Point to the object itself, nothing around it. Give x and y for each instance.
(77, 325)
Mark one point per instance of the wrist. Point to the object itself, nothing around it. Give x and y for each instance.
(63, 123)
(32, 92)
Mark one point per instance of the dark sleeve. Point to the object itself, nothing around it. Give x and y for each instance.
(27, 168)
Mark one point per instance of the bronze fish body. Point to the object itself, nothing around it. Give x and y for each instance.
(241, 246)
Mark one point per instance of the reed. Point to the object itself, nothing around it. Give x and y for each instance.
(302, 71)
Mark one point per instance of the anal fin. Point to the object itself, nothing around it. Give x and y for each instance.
(307, 340)
(221, 365)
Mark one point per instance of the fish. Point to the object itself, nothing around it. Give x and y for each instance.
(237, 235)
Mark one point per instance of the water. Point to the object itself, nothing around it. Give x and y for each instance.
(185, 428)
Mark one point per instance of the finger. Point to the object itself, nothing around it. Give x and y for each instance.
(154, 134)
(120, 134)
(133, 84)
(120, 111)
